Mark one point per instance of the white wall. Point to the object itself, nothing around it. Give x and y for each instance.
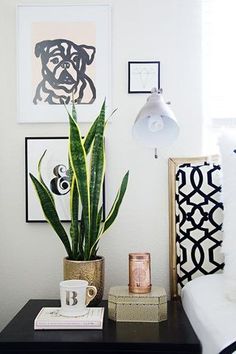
(30, 254)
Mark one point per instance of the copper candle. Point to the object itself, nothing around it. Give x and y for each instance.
(139, 273)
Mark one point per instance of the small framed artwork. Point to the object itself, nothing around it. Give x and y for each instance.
(143, 76)
(63, 53)
(54, 169)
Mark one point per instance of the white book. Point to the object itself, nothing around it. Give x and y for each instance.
(50, 318)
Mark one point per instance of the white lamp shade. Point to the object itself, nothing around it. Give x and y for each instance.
(155, 125)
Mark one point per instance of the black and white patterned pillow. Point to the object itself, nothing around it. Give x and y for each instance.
(199, 217)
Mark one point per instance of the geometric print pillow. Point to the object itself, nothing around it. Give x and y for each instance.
(199, 217)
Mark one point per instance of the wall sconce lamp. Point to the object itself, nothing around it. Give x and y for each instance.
(155, 125)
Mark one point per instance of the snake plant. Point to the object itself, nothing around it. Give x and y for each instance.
(86, 180)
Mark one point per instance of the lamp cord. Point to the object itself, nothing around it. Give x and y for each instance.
(155, 153)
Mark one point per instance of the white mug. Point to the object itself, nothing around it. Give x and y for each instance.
(75, 295)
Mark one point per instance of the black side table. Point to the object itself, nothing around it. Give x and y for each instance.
(172, 336)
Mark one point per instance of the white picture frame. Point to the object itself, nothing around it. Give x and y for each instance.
(62, 49)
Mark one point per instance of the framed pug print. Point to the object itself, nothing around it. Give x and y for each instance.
(63, 53)
(55, 173)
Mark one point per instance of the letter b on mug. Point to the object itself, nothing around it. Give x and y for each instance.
(75, 295)
(71, 298)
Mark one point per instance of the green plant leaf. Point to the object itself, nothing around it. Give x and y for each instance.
(97, 173)
(116, 205)
(92, 131)
(113, 212)
(41, 178)
(99, 219)
(90, 136)
(51, 214)
(81, 239)
(74, 113)
(78, 161)
(74, 212)
(99, 228)
(112, 113)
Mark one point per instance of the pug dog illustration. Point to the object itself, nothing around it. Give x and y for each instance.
(64, 72)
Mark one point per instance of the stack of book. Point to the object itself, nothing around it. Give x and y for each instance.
(50, 318)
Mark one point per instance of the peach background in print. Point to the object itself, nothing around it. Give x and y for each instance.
(77, 32)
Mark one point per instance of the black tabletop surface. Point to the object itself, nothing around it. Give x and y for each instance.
(174, 335)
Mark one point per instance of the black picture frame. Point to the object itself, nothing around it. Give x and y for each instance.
(143, 76)
(56, 155)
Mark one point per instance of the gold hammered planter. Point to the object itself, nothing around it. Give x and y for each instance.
(92, 271)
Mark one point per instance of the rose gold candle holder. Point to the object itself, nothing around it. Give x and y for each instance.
(139, 273)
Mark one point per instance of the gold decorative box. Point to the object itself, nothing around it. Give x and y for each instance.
(124, 306)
